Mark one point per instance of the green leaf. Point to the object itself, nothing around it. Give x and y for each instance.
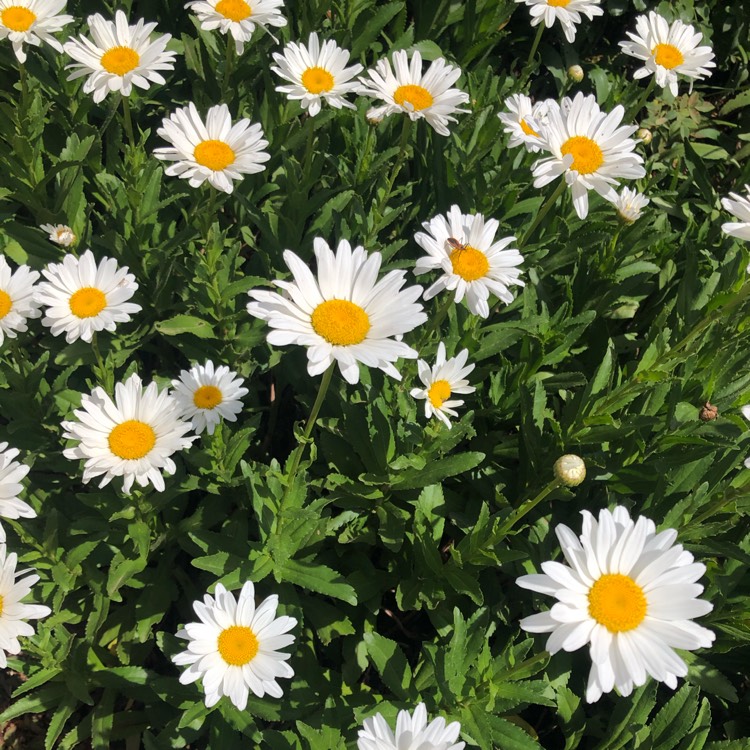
(436, 471)
(673, 721)
(314, 577)
(180, 324)
(391, 664)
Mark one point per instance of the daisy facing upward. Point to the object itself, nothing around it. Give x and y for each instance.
(567, 12)
(32, 22)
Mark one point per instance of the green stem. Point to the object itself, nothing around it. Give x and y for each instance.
(543, 211)
(644, 98)
(228, 65)
(526, 507)
(530, 61)
(24, 85)
(105, 376)
(437, 319)
(310, 124)
(128, 120)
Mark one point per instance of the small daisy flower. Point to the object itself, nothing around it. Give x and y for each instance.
(17, 299)
(131, 437)
(628, 592)
(441, 381)
(60, 234)
(235, 648)
(11, 474)
(316, 74)
(216, 151)
(237, 17)
(120, 56)
(405, 89)
(590, 149)
(82, 297)
(206, 395)
(567, 12)
(668, 51)
(630, 204)
(412, 733)
(32, 22)
(345, 314)
(739, 207)
(523, 121)
(463, 246)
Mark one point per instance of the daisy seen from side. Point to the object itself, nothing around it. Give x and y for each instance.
(567, 12)
(11, 474)
(17, 299)
(60, 234)
(412, 733)
(522, 122)
(32, 22)
(739, 207)
(630, 204)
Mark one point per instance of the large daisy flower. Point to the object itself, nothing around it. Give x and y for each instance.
(131, 437)
(405, 89)
(316, 74)
(523, 121)
(590, 148)
(412, 733)
(32, 22)
(628, 592)
(463, 246)
(345, 314)
(739, 207)
(120, 56)
(235, 648)
(567, 12)
(668, 51)
(17, 299)
(630, 204)
(11, 474)
(216, 151)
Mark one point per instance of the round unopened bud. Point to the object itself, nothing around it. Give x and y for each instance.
(645, 135)
(575, 73)
(708, 412)
(570, 469)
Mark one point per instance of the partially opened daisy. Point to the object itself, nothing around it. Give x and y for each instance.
(739, 207)
(237, 17)
(132, 437)
(523, 121)
(119, 57)
(82, 296)
(17, 299)
(630, 204)
(316, 74)
(668, 51)
(11, 474)
(32, 22)
(412, 733)
(60, 234)
(445, 378)
(567, 12)
(473, 262)
(235, 648)
(216, 150)
(344, 315)
(405, 89)
(628, 592)
(590, 149)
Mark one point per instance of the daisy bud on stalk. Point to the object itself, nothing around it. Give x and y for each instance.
(575, 73)
(644, 135)
(570, 470)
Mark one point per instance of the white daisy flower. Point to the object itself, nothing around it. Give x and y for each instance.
(746, 414)
(120, 56)
(345, 314)
(60, 234)
(12, 612)
(216, 151)
(237, 17)
(739, 207)
(630, 593)
(668, 51)
(412, 733)
(82, 297)
(405, 89)
(11, 474)
(567, 12)
(131, 437)
(588, 147)
(523, 121)
(629, 204)
(441, 381)
(17, 299)
(316, 73)
(206, 395)
(32, 22)
(235, 648)
(463, 246)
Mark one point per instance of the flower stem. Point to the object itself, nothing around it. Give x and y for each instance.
(526, 507)
(643, 99)
(228, 65)
(437, 319)
(128, 120)
(105, 376)
(530, 61)
(543, 211)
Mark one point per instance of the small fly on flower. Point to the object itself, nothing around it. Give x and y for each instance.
(456, 246)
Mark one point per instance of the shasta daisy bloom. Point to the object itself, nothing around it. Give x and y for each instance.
(628, 592)
(119, 57)
(668, 51)
(412, 733)
(32, 22)
(316, 74)
(235, 648)
(629, 204)
(17, 299)
(405, 89)
(739, 207)
(441, 381)
(473, 263)
(132, 437)
(237, 17)
(590, 148)
(521, 122)
(83, 297)
(567, 12)
(205, 395)
(344, 315)
(11, 474)
(216, 150)
(60, 234)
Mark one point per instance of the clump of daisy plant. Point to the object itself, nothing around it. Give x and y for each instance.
(18, 300)
(32, 22)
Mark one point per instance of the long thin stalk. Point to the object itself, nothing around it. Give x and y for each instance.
(543, 211)
(128, 120)
(527, 507)
(643, 99)
(530, 61)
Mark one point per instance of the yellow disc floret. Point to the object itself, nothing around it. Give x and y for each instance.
(439, 392)
(207, 397)
(617, 602)
(5, 303)
(667, 55)
(87, 302)
(587, 156)
(528, 129)
(120, 60)
(412, 97)
(558, 3)
(132, 440)
(317, 80)
(17, 18)
(238, 645)
(215, 155)
(469, 263)
(340, 322)
(234, 10)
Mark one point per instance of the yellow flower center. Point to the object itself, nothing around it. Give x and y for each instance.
(87, 302)
(528, 129)
(558, 3)
(587, 156)
(5, 303)
(617, 602)
(234, 10)
(667, 55)
(439, 391)
(131, 440)
(207, 396)
(416, 97)
(238, 645)
(120, 60)
(18, 18)
(469, 263)
(317, 80)
(340, 322)
(216, 155)
(1, 606)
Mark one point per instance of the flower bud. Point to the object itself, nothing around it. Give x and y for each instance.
(645, 135)
(708, 412)
(570, 470)
(575, 73)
